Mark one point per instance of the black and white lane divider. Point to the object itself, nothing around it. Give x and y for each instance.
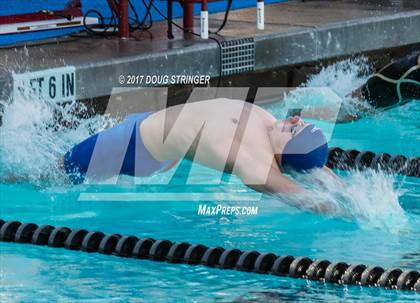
(198, 254)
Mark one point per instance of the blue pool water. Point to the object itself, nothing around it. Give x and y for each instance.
(384, 230)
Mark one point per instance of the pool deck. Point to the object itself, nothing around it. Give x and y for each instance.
(296, 32)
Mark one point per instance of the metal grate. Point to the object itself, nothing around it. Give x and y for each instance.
(238, 56)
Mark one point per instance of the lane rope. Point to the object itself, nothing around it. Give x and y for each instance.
(217, 257)
(358, 160)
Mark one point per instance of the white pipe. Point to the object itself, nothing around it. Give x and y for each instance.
(204, 24)
(260, 15)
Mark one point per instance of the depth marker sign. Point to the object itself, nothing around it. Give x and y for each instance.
(57, 84)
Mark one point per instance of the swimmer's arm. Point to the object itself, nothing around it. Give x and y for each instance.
(278, 184)
(292, 194)
(255, 177)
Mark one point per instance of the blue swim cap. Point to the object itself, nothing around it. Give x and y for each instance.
(307, 150)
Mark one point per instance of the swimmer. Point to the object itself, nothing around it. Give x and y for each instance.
(395, 84)
(227, 135)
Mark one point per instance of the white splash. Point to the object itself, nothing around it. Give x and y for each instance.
(342, 77)
(35, 134)
(367, 197)
(332, 88)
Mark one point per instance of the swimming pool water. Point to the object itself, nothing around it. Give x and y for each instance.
(41, 274)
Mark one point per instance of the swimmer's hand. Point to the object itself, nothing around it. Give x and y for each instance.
(332, 174)
(311, 202)
(328, 208)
